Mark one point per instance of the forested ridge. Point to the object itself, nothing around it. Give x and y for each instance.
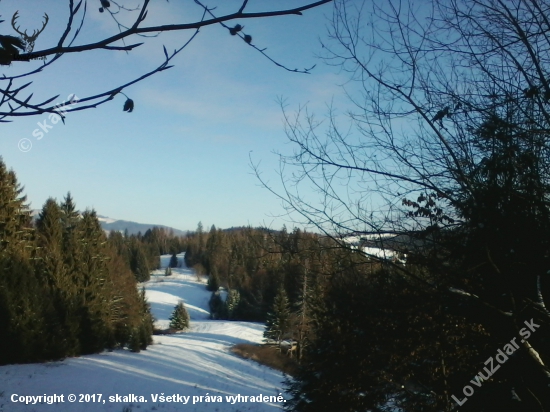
(253, 264)
(371, 331)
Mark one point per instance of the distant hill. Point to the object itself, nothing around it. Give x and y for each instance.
(133, 227)
(108, 224)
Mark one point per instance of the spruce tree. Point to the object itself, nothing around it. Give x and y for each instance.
(135, 341)
(278, 321)
(128, 310)
(93, 288)
(138, 261)
(69, 218)
(147, 326)
(173, 261)
(70, 213)
(232, 303)
(217, 306)
(64, 289)
(179, 319)
(201, 240)
(213, 283)
(334, 374)
(26, 316)
(50, 242)
(55, 273)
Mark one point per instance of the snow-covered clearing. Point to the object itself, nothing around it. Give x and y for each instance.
(191, 364)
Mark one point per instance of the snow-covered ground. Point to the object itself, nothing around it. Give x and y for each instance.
(376, 252)
(189, 364)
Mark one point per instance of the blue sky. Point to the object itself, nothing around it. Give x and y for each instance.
(182, 156)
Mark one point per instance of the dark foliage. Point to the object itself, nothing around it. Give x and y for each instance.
(173, 261)
(64, 289)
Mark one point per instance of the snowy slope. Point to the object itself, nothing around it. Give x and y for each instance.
(191, 364)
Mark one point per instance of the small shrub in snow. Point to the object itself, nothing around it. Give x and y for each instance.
(179, 319)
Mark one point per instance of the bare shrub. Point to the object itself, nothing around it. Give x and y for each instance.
(266, 355)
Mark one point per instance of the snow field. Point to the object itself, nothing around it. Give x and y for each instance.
(189, 364)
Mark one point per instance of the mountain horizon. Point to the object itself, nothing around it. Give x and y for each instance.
(109, 224)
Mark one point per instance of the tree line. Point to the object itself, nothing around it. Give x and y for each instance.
(373, 331)
(66, 288)
(273, 276)
(252, 264)
(142, 252)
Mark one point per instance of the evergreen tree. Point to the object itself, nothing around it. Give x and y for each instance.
(232, 303)
(217, 306)
(27, 318)
(168, 271)
(138, 261)
(91, 278)
(70, 214)
(147, 321)
(200, 238)
(135, 341)
(213, 283)
(50, 241)
(128, 310)
(278, 321)
(66, 291)
(302, 306)
(57, 272)
(173, 261)
(211, 245)
(15, 216)
(69, 218)
(179, 319)
(190, 257)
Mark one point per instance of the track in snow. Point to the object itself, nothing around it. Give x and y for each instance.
(193, 363)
